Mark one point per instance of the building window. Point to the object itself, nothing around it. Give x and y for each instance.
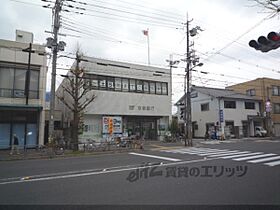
(146, 87)
(276, 90)
(139, 86)
(118, 84)
(249, 105)
(230, 104)
(132, 86)
(164, 88)
(204, 107)
(276, 108)
(152, 87)
(251, 92)
(110, 83)
(94, 82)
(12, 83)
(102, 82)
(125, 85)
(158, 88)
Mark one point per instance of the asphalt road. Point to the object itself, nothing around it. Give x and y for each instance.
(206, 175)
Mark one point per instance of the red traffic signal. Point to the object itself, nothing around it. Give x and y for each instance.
(265, 44)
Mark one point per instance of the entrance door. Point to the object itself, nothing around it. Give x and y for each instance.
(149, 131)
(18, 129)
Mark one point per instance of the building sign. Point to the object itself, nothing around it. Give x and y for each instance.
(221, 114)
(112, 125)
(141, 108)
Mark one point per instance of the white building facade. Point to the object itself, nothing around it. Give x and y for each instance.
(20, 116)
(225, 111)
(136, 98)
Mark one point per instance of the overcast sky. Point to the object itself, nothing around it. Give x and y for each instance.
(113, 30)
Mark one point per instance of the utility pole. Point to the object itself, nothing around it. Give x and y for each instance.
(56, 25)
(187, 103)
(27, 75)
(191, 59)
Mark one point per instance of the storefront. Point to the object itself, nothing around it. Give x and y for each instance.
(22, 121)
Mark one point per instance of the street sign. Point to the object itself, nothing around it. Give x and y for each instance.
(221, 115)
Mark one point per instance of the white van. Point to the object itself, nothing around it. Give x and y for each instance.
(260, 131)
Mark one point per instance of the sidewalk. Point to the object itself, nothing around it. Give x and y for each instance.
(148, 146)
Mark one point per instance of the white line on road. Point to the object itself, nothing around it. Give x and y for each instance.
(254, 157)
(275, 163)
(217, 153)
(101, 172)
(264, 159)
(242, 155)
(154, 156)
(229, 153)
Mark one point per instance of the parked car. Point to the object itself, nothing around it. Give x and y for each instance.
(260, 131)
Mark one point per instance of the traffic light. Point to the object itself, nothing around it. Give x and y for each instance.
(265, 44)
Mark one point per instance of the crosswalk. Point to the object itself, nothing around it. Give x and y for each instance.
(268, 159)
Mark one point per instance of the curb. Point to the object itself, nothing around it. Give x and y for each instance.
(67, 155)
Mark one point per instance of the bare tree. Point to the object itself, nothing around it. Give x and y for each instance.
(271, 5)
(78, 96)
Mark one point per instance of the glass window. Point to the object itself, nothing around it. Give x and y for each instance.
(152, 87)
(275, 90)
(251, 92)
(139, 85)
(6, 82)
(6, 78)
(164, 88)
(20, 79)
(158, 88)
(19, 83)
(110, 83)
(118, 84)
(277, 108)
(230, 104)
(94, 81)
(249, 105)
(5, 136)
(132, 85)
(146, 87)
(102, 82)
(205, 107)
(125, 85)
(34, 80)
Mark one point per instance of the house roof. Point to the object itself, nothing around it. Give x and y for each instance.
(220, 93)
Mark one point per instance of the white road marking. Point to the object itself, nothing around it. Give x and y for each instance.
(264, 159)
(154, 156)
(242, 155)
(274, 163)
(31, 179)
(229, 153)
(254, 157)
(216, 153)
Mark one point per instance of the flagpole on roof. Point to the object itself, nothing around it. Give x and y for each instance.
(146, 33)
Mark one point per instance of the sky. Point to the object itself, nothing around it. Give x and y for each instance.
(113, 29)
